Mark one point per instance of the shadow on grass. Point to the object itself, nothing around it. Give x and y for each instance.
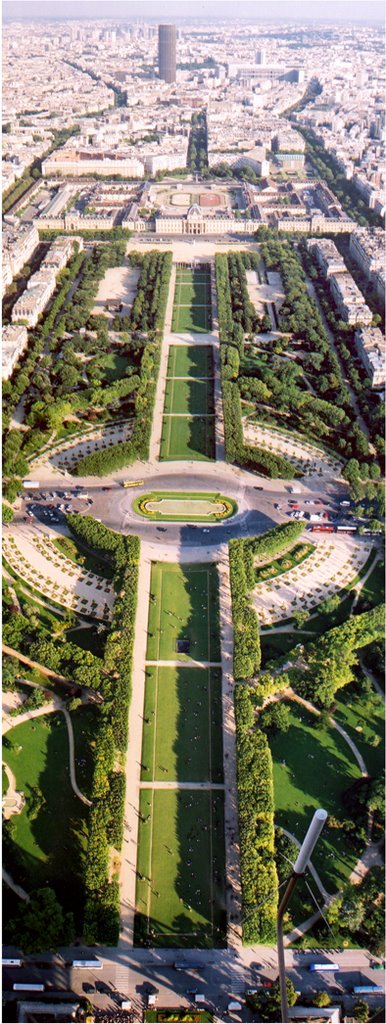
(54, 820)
(181, 857)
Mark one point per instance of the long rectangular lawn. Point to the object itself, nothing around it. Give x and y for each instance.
(182, 725)
(183, 606)
(194, 319)
(190, 361)
(188, 438)
(180, 897)
(193, 397)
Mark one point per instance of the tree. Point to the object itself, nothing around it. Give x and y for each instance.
(42, 924)
(361, 1011)
(7, 513)
(330, 604)
(300, 618)
(322, 999)
(276, 718)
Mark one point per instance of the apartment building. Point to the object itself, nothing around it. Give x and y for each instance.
(42, 285)
(14, 341)
(367, 248)
(78, 162)
(327, 256)
(371, 347)
(349, 300)
(18, 246)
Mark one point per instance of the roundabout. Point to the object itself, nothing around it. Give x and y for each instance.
(174, 506)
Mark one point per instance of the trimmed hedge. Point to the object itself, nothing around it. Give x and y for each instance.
(101, 922)
(246, 640)
(256, 823)
(274, 541)
(242, 555)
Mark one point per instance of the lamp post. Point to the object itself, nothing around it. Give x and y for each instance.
(299, 868)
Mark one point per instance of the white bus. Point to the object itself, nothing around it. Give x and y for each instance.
(324, 967)
(27, 986)
(90, 965)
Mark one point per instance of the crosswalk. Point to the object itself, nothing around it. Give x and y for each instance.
(121, 979)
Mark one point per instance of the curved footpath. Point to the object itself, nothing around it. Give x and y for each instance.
(10, 722)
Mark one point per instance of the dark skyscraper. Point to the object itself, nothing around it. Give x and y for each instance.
(167, 52)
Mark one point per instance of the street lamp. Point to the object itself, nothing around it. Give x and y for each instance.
(299, 868)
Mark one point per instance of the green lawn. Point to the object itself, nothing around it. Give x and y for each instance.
(114, 366)
(76, 552)
(190, 361)
(196, 293)
(187, 438)
(195, 319)
(192, 397)
(84, 724)
(364, 720)
(48, 842)
(182, 731)
(312, 768)
(184, 606)
(373, 591)
(181, 852)
(192, 301)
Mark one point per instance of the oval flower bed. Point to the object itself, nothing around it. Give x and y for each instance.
(178, 506)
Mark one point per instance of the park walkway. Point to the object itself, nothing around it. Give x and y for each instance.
(10, 722)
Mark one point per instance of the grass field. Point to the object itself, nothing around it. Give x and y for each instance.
(190, 361)
(113, 366)
(180, 869)
(192, 301)
(191, 319)
(192, 294)
(191, 438)
(193, 397)
(183, 605)
(182, 731)
(312, 768)
(48, 841)
(364, 720)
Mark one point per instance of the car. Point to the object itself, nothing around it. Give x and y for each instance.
(308, 501)
(106, 488)
(276, 505)
(267, 983)
(294, 504)
(345, 504)
(206, 530)
(161, 529)
(258, 488)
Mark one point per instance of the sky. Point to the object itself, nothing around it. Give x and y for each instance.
(204, 10)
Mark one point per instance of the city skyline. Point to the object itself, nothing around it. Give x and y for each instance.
(275, 10)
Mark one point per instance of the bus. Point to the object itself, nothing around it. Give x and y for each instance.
(11, 961)
(91, 965)
(133, 483)
(184, 965)
(28, 986)
(366, 989)
(323, 967)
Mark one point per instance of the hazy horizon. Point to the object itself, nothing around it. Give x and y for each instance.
(205, 10)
